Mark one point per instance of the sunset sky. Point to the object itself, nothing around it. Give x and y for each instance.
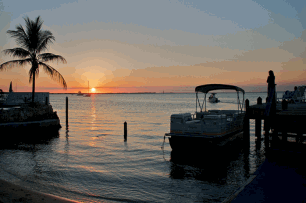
(161, 45)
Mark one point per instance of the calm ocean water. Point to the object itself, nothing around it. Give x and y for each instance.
(91, 162)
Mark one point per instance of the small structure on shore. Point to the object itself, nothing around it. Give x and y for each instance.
(17, 112)
(11, 87)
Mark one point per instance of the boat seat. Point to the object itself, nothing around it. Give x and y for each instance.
(200, 115)
(214, 112)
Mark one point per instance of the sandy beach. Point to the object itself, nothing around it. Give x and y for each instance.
(14, 193)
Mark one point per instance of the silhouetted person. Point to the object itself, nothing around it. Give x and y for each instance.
(295, 88)
(271, 83)
(271, 92)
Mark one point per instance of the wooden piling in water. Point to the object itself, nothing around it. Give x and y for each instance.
(258, 122)
(246, 124)
(266, 126)
(267, 141)
(125, 131)
(66, 111)
(258, 128)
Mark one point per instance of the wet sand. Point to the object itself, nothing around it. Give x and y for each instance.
(14, 193)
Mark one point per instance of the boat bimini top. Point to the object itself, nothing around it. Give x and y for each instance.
(206, 88)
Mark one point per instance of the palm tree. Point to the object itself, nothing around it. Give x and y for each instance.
(32, 42)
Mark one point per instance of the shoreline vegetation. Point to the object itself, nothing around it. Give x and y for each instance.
(10, 192)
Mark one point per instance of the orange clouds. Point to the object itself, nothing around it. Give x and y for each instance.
(233, 72)
(242, 73)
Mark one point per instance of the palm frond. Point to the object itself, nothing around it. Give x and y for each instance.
(31, 73)
(20, 35)
(46, 38)
(33, 31)
(51, 57)
(54, 74)
(14, 63)
(17, 52)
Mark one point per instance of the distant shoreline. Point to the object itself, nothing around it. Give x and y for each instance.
(151, 93)
(158, 93)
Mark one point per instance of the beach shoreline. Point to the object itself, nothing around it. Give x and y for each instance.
(10, 192)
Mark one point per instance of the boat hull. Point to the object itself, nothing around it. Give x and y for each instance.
(198, 143)
(213, 100)
(42, 125)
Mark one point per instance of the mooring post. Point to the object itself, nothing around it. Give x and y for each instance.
(275, 136)
(267, 141)
(66, 111)
(267, 129)
(258, 122)
(246, 124)
(125, 131)
(259, 100)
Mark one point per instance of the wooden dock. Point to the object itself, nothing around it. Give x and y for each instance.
(284, 126)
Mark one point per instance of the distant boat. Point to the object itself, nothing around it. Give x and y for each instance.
(80, 93)
(87, 95)
(213, 99)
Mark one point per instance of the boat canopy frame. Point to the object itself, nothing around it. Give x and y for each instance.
(210, 87)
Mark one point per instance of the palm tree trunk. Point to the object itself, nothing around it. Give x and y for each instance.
(33, 87)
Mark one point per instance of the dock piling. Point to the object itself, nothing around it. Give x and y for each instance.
(258, 122)
(259, 100)
(66, 111)
(125, 131)
(299, 138)
(266, 126)
(246, 124)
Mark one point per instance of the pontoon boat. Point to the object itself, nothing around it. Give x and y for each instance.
(206, 128)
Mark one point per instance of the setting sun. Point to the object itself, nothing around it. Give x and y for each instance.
(93, 90)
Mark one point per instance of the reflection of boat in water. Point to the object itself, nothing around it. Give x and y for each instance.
(34, 137)
(79, 93)
(204, 166)
(213, 99)
(206, 128)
